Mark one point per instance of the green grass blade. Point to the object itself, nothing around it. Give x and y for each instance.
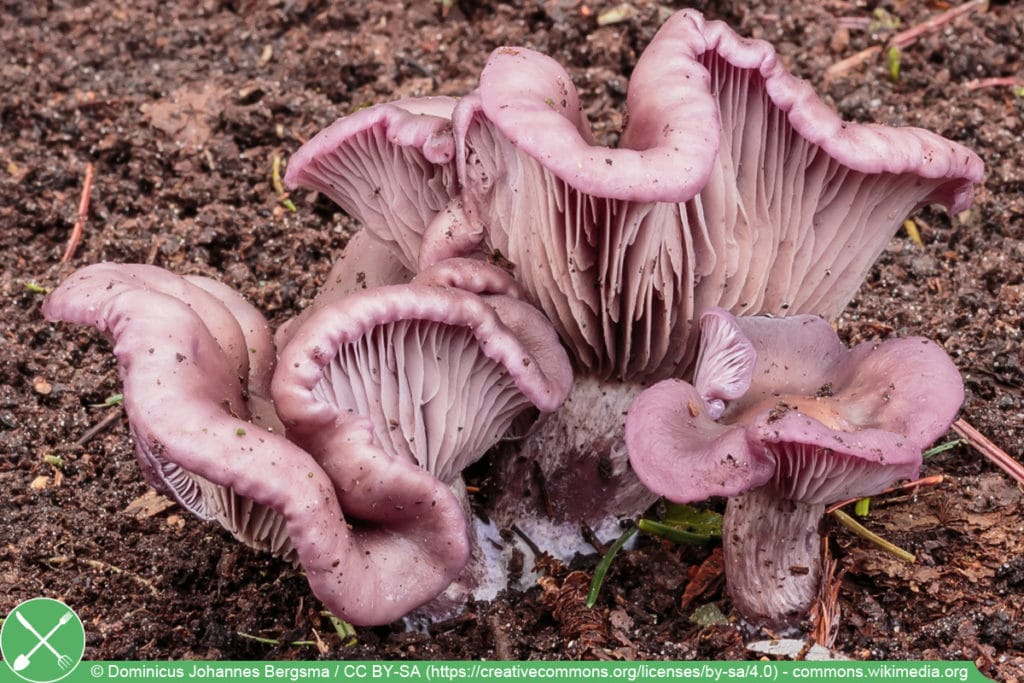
(673, 533)
(605, 563)
(943, 447)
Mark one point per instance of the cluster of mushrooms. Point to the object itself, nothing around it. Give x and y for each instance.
(640, 321)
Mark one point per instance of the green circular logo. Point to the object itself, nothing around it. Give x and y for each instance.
(42, 640)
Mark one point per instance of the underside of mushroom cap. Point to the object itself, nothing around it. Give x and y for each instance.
(365, 262)
(440, 372)
(186, 409)
(734, 186)
(879, 404)
(390, 166)
(822, 422)
(820, 465)
(254, 524)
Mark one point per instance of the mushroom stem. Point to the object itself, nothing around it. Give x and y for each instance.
(572, 469)
(772, 555)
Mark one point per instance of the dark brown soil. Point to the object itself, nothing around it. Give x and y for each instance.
(182, 106)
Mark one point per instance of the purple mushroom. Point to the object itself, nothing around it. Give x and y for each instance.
(784, 419)
(733, 185)
(183, 357)
(349, 459)
(390, 166)
(437, 369)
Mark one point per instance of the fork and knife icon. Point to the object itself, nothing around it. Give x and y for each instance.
(23, 660)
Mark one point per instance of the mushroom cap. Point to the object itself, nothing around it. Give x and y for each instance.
(733, 185)
(679, 452)
(91, 295)
(259, 340)
(667, 147)
(365, 262)
(439, 372)
(389, 166)
(818, 422)
(185, 405)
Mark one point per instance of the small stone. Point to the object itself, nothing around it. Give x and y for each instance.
(42, 386)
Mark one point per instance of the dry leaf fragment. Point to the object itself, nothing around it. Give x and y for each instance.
(148, 504)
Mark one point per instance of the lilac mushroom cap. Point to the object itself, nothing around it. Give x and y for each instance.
(815, 423)
(86, 297)
(733, 185)
(183, 388)
(437, 373)
(365, 262)
(391, 166)
(434, 373)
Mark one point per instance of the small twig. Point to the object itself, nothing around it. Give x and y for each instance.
(321, 646)
(258, 639)
(851, 62)
(534, 548)
(933, 480)
(590, 537)
(991, 451)
(104, 566)
(91, 433)
(853, 525)
(99, 564)
(83, 211)
(154, 249)
(502, 648)
(855, 23)
(274, 641)
(996, 82)
(905, 38)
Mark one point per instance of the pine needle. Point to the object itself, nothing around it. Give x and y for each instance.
(853, 525)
